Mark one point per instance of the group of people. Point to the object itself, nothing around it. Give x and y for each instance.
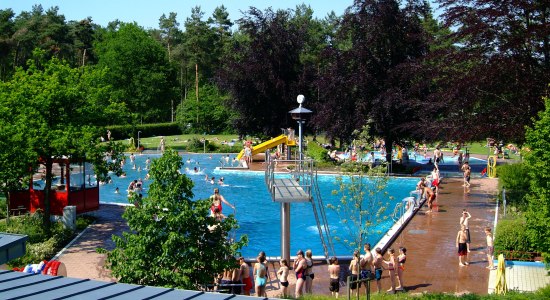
(371, 266)
(463, 241)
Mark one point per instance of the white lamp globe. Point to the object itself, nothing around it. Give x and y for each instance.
(300, 99)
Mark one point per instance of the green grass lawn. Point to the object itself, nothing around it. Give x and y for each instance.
(178, 141)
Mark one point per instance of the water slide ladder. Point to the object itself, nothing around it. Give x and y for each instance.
(297, 182)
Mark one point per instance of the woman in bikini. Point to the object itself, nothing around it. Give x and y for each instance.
(300, 267)
(391, 264)
(217, 200)
(401, 267)
(309, 272)
(260, 276)
(354, 268)
(283, 277)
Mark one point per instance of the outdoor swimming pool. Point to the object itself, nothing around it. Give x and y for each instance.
(257, 214)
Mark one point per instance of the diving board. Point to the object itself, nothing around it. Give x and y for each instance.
(289, 190)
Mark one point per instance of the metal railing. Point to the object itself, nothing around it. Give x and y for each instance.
(299, 170)
(304, 172)
(365, 281)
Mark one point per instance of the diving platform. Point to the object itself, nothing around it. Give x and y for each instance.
(289, 190)
(295, 182)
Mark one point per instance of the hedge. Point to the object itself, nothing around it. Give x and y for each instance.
(511, 235)
(515, 179)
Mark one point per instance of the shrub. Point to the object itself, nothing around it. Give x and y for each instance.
(42, 248)
(515, 179)
(83, 221)
(511, 235)
(39, 246)
(229, 149)
(3, 208)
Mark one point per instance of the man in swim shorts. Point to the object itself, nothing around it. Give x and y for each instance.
(366, 264)
(461, 245)
(334, 272)
(377, 263)
(245, 276)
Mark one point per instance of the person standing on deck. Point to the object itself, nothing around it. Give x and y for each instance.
(366, 264)
(354, 269)
(309, 272)
(377, 264)
(461, 238)
(334, 273)
(490, 248)
(300, 269)
(464, 220)
(245, 276)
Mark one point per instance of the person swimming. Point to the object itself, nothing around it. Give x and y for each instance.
(220, 181)
(117, 191)
(213, 180)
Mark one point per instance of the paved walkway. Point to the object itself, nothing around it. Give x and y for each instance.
(81, 258)
(432, 260)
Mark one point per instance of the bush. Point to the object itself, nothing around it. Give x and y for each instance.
(3, 208)
(83, 221)
(39, 246)
(515, 179)
(511, 235)
(229, 149)
(120, 132)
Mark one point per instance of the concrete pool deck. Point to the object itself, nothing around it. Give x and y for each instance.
(432, 263)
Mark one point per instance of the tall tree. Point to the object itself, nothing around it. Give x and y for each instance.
(173, 241)
(139, 71)
(263, 71)
(7, 29)
(504, 57)
(214, 115)
(83, 34)
(169, 30)
(373, 73)
(537, 161)
(45, 30)
(55, 111)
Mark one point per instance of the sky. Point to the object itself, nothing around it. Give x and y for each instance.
(146, 13)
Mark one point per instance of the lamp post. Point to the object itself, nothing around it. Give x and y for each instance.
(299, 114)
(138, 139)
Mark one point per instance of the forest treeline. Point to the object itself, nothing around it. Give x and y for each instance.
(479, 70)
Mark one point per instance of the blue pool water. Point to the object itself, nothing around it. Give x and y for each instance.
(421, 159)
(257, 214)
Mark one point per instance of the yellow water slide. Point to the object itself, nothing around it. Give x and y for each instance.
(274, 142)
